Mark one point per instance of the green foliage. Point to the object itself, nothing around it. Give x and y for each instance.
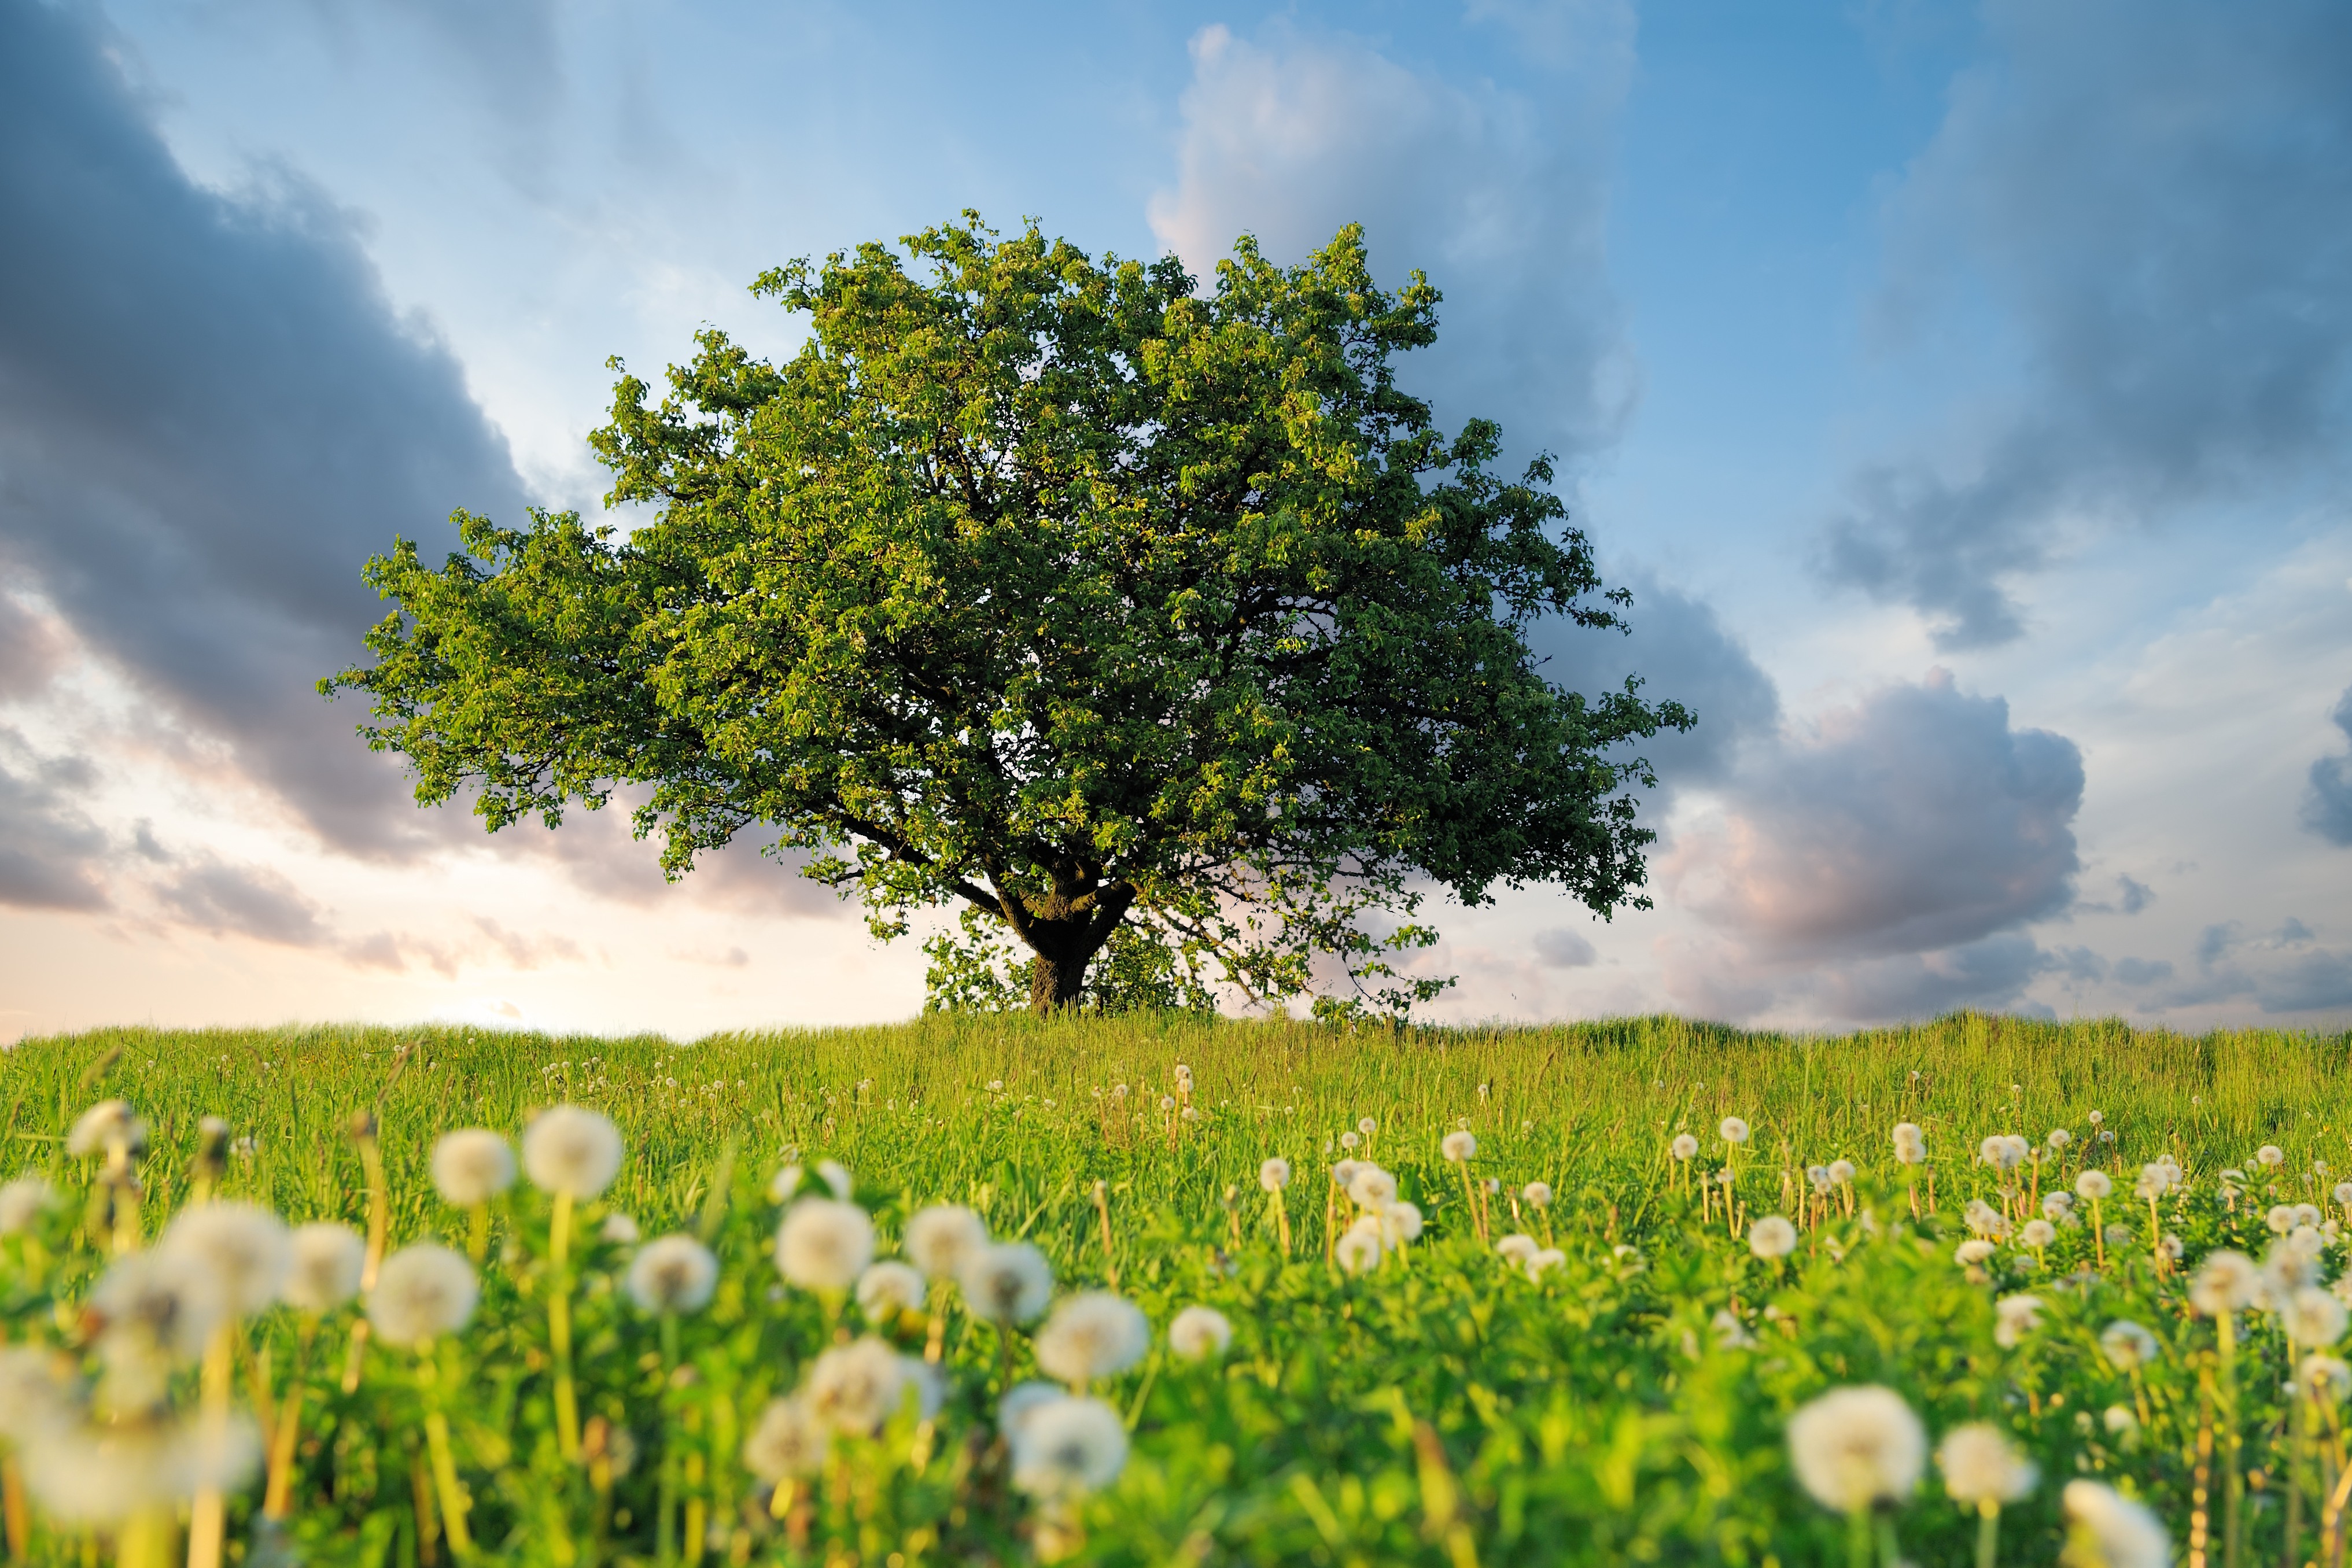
(975, 970)
(1442, 1407)
(1049, 587)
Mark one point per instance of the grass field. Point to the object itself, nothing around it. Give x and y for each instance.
(1628, 1402)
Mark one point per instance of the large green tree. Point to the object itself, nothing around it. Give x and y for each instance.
(1061, 591)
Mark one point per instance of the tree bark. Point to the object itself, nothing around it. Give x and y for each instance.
(1063, 932)
(1056, 982)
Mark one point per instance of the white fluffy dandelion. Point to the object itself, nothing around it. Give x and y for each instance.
(855, 1388)
(1536, 1195)
(1771, 1238)
(23, 1202)
(1543, 1261)
(1092, 1334)
(328, 1260)
(571, 1149)
(1982, 1468)
(1399, 1223)
(824, 1244)
(1516, 1247)
(2128, 1345)
(472, 1164)
(107, 1126)
(673, 1274)
(1684, 1146)
(1359, 1252)
(1841, 1171)
(1372, 1186)
(2059, 1138)
(1855, 1446)
(1067, 1447)
(944, 1237)
(888, 1288)
(1458, 1146)
(2037, 1233)
(788, 1441)
(2094, 1186)
(156, 1303)
(1910, 1144)
(1734, 1130)
(2269, 1155)
(2113, 1531)
(34, 1394)
(1274, 1174)
(620, 1230)
(1973, 1251)
(248, 1248)
(422, 1292)
(2014, 1317)
(2325, 1378)
(1007, 1282)
(2312, 1317)
(2229, 1282)
(1199, 1332)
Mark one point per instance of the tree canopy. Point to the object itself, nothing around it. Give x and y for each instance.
(1133, 619)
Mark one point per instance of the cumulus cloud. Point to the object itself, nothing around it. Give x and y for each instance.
(2284, 971)
(51, 855)
(1916, 819)
(2153, 199)
(1560, 949)
(245, 901)
(209, 416)
(2327, 804)
(1498, 194)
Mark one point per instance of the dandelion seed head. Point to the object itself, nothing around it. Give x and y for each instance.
(2228, 1282)
(2116, 1532)
(788, 1441)
(105, 1126)
(944, 1237)
(329, 1258)
(2313, 1317)
(2119, 1420)
(2127, 1345)
(247, 1247)
(571, 1149)
(1543, 1261)
(1367, 1127)
(1841, 1171)
(1067, 1447)
(1772, 1237)
(1684, 1146)
(1343, 1173)
(1372, 1186)
(1981, 1466)
(888, 1288)
(2325, 1378)
(1200, 1333)
(1857, 1445)
(620, 1230)
(1734, 1130)
(2060, 1137)
(2269, 1155)
(1359, 1252)
(1974, 1250)
(1092, 1334)
(1458, 1146)
(471, 1165)
(855, 1388)
(23, 1202)
(2094, 1186)
(1007, 1282)
(784, 1182)
(2037, 1233)
(2014, 1317)
(422, 1291)
(833, 1176)
(673, 1274)
(1536, 1195)
(824, 1244)
(1518, 1247)
(1399, 1223)
(34, 1393)
(1274, 1174)
(101, 1476)
(1348, 1140)
(153, 1309)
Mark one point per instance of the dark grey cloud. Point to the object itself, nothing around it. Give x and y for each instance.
(2153, 199)
(1992, 973)
(1917, 820)
(2284, 971)
(51, 855)
(1679, 648)
(245, 900)
(209, 417)
(1497, 189)
(2132, 895)
(2327, 804)
(1560, 949)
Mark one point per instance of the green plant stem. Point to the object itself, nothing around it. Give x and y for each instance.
(558, 1330)
(1988, 1534)
(2233, 1478)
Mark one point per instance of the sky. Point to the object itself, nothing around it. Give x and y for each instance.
(1963, 391)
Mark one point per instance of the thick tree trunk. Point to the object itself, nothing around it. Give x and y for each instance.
(1054, 983)
(1063, 932)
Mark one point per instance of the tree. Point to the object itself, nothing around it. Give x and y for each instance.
(1055, 589)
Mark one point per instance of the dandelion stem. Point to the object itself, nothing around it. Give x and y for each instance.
(14, 1510)
(208, 1515)
(558, 1330)
(1988, 1534)
(2232, 1480)
(277, 1500)
(1858, 1542)
(478, 1237)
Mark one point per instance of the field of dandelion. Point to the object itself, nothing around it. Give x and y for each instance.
(993, 1290)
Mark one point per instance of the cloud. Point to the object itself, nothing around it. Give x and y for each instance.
(2327, 804)
(1500, 196)
(1916, 819)
(2284, 971)
(51, 855)
(1561, 948)
(1987, 974)
(245, 900)
(209, 416)
(2152, 199)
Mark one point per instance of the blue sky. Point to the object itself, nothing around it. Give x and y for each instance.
(1962, 389)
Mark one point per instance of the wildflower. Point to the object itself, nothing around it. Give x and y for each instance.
(620, 1230)
(1345, 1172)
(2096, 1118)
(2325, 1378)
(327, 1264)
(1855, 1446)
(2229, 1282)
(1536, 1195)
(2119, 1420)
(1372, 1186)
(2269, 1155)
(1519, 1249)
(943, 1238)
(2037, 1233)
(1734, 1130)
(2059, 1138)
(1167, 1102)
(673, 1274)
(888, 1289)
(32, 1395)
(1399, 1222)
(1985, 1220)
(1974, 1250)
(1539, 1263)
(422, 1292)
(1007, 1282)
(1068, 1448)
(2312, 1317)
(571, 1151)
(1684, 1145)
(472, 1165)
(2280, 1220)
(2094, 1186)
(2171, 1247)
(101, 1476)
(1359, 1249)
(2154, 1181)
(2128, 1345)
(1093, 1335)
(1820, 1178)
(106, 1126)
(1772, 1237)
(784, 1182)
(1274, 1174)
(2057, 1206)
(1730, 1331)
(23, 1202)
(788, 1441)
(824, 1244)
(1841, 1171)
(1022, 1401)
(1981, 1467)
(1995, 1152)
(1368, 1126)
(2014, 1318)
(247, 1247)
(2343, 1194)
(2110, 1531)
(1348, 1140)
(1200, 1333)
(855, 1388)
(1910, 1144)
(1458, 1146)
(152, 1309)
